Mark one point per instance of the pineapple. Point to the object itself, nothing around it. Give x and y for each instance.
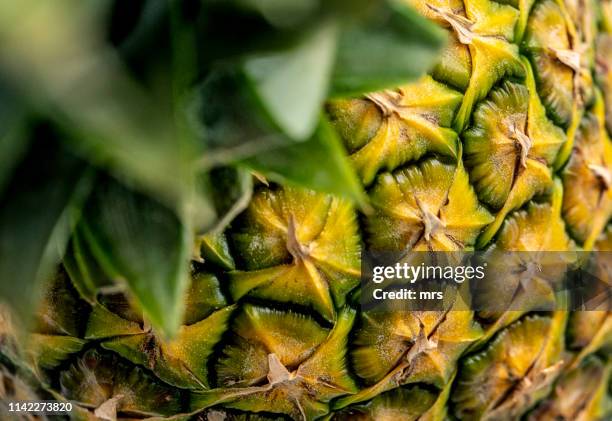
(504, 146)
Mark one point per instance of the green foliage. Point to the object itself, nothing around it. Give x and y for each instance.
(43, 194)
(142, 242)
(318, 163)
(292, 84)
(389, 46)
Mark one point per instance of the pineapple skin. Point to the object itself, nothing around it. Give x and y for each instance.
(505, 145)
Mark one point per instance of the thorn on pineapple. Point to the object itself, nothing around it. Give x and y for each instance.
(386, 101)
(277, 372)
(261, 178)
(523, 140)
(146, 326)
(108, 410)
(432, 223)
(573, 59)
(295, 248)
(460, 24)
(530, 271)
(215, 415)
(422, 343)
(540, 379)
(568, 57)
(602, 174)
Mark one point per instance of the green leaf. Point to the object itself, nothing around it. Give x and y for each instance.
(229, 121)
(40, 199)
(84, 271)
(49, 351)
(292, 84)
(139, 240)
(237, 130)
(73, 76)
(13, 132)
(319, 164)
(283, 13)
(13, 145)
(390, 45)
(230, 191)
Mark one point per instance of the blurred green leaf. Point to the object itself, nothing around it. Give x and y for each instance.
(41, 198)
(390, 45)
(13, 145)
(14, 124)
(228, 119)
(320, 163)
(139, 240)
(283, 13)
(237, 130)
(86, 274)
(55, 55)
(292, 84)
(137, 27)
(231, 189)
(231, 31)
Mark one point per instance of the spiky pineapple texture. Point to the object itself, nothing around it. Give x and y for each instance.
(505, 145)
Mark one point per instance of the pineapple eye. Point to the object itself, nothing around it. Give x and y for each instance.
(587, 204)
(386, 130)
(284, 362)
(561, 403)
(510, 147)
(420, 208)
(546, 33)
(501, 380)
(111, 386)
(298, 247)
(514, 277)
